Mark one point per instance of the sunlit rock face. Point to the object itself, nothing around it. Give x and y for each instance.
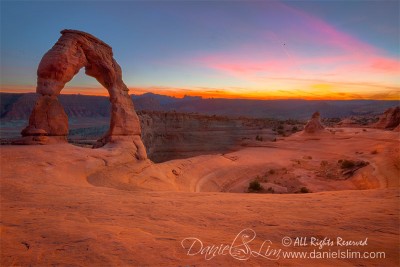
(48, 116)
(314, 125)
(73, 51)
(390, 119)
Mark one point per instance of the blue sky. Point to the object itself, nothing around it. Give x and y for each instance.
(258, 49)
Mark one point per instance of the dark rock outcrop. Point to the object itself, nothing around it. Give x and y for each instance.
(390, 119)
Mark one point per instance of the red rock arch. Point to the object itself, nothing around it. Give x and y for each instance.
(73, 51)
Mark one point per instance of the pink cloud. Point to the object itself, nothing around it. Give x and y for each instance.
(321, 32)
(251, 68)
(337, 53)
(243, 66)
(385, 64)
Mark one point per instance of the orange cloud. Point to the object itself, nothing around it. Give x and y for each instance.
(318, 90)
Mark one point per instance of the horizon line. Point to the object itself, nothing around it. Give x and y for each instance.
(210, 93)
(227, 96)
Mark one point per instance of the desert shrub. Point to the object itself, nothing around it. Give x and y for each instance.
(347, 164)
(259, 138)
(373, 152)
(295, 129)
(361, 163)
(271, 171)
(255, 186)
(304, 190)
(280, 127)
(281, 132)
(270, 190)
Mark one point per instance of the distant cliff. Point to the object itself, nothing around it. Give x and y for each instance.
(170, 135)
(19, 106)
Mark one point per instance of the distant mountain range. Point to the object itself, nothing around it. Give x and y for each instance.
(19, 106)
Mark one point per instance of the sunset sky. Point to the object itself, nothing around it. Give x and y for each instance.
(243, 49)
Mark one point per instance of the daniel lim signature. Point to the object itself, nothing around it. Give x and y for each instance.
(241, 248)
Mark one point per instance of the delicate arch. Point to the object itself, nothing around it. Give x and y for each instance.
(73, 51)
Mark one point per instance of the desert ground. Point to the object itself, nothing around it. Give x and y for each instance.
(67, 205)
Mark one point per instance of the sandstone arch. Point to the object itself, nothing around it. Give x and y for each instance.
(73, 51)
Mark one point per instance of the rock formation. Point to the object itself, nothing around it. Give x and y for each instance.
(314, 125)
(347, 122)
(390, 119)
(73, 51)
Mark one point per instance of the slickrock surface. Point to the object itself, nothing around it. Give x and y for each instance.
(68, 205)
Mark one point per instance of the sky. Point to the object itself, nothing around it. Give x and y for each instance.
(231, 49)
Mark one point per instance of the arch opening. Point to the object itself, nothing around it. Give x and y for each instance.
(87, 108)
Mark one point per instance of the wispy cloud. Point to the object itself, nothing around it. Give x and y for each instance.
(307, 48)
